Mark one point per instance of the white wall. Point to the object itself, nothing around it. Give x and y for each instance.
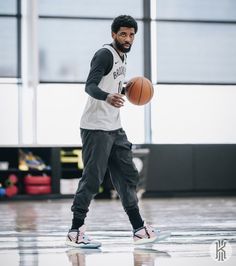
(8, 114)
(59, 109)
(194, 114)
(180, 114)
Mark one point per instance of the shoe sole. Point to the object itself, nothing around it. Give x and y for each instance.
(162, 236)
(90, 245)
(145, 241)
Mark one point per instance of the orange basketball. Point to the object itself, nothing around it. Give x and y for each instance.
(139, 90)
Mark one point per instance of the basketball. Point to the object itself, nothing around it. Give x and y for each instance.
(139, 90)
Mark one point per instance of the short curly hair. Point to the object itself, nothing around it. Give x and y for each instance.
(124, 21)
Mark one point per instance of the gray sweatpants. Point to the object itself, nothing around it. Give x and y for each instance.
(104, 150)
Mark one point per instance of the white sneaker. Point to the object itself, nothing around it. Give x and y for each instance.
(77, 238)
(147, 234)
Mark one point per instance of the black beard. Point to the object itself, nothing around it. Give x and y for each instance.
(120, 47)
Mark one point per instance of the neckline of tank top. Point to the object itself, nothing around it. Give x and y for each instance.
(121, 57)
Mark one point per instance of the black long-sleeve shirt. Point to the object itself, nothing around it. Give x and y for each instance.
(101, 65)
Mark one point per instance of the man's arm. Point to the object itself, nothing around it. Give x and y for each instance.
(101, 65)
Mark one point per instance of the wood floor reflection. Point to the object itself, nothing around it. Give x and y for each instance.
(33, 233)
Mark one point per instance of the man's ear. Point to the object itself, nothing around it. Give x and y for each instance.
(113, 34)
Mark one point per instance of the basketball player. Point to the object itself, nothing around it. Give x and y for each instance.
(105, 144)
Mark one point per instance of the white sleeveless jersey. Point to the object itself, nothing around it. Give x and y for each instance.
(98, 114)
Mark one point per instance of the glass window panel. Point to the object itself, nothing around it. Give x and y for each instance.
(66, 48)
(8, 7)
(197, 9)
(91, 8)
(8, 47)
(196, 52)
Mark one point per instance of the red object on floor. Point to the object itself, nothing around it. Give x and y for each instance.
(37, 180)
(37, 190)
(11, 191)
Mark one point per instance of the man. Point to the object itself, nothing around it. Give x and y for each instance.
(105, 144)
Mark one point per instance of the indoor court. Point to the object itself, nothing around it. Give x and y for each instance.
(129, 105)
(33, 233)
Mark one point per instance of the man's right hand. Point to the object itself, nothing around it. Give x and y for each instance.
(115, 100)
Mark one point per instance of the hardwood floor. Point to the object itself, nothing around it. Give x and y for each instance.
(33, 233)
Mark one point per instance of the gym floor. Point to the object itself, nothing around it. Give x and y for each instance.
(33, 233)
